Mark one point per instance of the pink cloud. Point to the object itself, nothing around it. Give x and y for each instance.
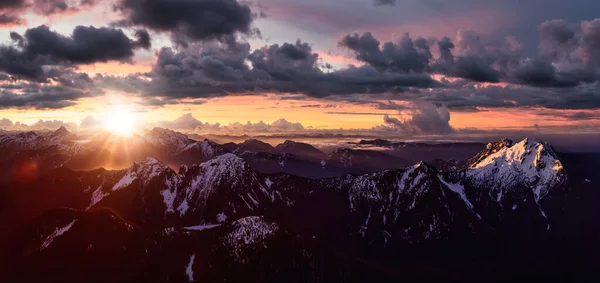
(483, 21)
(338, 59)
(328, 20)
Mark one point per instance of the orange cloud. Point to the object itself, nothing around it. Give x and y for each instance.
(115, 68)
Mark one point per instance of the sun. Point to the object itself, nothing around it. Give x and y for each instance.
(120, 121)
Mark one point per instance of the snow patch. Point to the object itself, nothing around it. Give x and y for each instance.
(183, 207)
(201, 227)
(460, 190)
(57, 232)
(169, 199)
(247, 232)
(97, 196)
(125, 181)
(188, 269)
(221, 217)
(268, 182)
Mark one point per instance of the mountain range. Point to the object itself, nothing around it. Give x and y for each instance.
(294, 213)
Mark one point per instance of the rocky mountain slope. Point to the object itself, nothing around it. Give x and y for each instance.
(223, 219)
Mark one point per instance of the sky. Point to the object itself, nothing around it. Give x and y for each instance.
(386, 67)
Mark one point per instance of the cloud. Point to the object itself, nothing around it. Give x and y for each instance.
(280, 125)
(570, 115)
(406, 56)
(5, 123)
(220, 68)
(11, 4)
(85, 45)
(189, 122)
(12, 10)
(49, 7)
(10, 20)
(34, 96)
(385, 2)
(185, 121)
(568, 56)
(541, 73)
(51, 124)
(48, 61)
(40, 47)
(188, 20)
(424, 119)
(563, 74)
(90, 122)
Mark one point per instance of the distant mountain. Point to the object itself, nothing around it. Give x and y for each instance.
(197, 152)
(363, 161)
(253, 145)
(167, 140)
(415, 151)
(448, 165)
(299, 149)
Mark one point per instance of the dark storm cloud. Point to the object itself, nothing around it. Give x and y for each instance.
(473, 68)
(15, 8)
(406, 56)
(445, 46)
(581, 97)
(11, 4)
(17, 38)
(10, 20)
(34, 96)
(543, 74)
(573, 116)
(17, 63)
(217, 69)
(569, 56)
(143, 39)
(40, 47)
(570, 43)
(85, 45)
(385, 2)
(49, 7)
(473, 58)
(184, 19)
(414, 56)
(48, 61)
(10, 12)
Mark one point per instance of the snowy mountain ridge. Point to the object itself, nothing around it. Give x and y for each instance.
(530, 162)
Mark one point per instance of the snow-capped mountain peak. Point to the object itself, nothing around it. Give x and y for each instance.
(144, 172)
(506, 166)
(61, 131)
(225, 164)
(169, 139)
(207, 147)
(490, 148)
